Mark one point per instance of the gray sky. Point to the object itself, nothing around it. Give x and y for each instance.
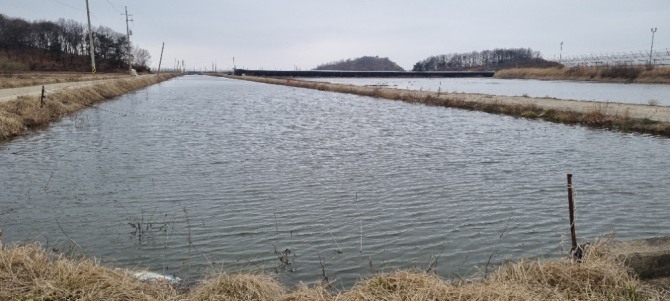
(274, 34)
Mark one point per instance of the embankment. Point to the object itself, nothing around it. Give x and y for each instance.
(613, 116)
(26, 113)
(28, 272)
(613, 74)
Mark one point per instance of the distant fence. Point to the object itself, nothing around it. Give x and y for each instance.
(633, 58)
(333, 73)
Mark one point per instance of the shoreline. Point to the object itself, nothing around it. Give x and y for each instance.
(22, 114)
(636, 118)
(28, 271)
(616, 74)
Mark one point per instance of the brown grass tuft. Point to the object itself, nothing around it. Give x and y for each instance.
(243, 287)
(27, 272)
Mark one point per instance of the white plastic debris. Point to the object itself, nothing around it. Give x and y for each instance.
(155, 277)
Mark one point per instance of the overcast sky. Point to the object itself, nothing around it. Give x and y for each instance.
(285, 34)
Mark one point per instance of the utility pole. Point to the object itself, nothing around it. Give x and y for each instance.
(653, 31)
(90, 38)
(560, 56)
(128, 33)
(160, 60)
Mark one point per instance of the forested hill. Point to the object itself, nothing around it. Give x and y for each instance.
(366, 63)
(64, 46)
(484, 60)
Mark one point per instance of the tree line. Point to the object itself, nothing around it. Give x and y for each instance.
(484, 60)
(64, 44)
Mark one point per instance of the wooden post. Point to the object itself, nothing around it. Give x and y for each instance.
(160, 60)
(571, 206)
(42, 98)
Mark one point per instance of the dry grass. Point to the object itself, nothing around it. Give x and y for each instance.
(598, 116)
(657, 75)
(44, 78)
(19, 116)
(27, 272)
(242, 287)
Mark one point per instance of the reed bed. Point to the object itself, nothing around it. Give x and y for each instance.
(596, 115)
(19, 116)
(636, 74)
(28, 272)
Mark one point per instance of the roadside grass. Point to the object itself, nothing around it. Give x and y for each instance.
(28, 272)
(637, 74)
(596, 117)
(26, 79)
(19, 116)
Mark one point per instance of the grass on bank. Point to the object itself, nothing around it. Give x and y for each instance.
(44, 78)
(637, 74)
(28, 272)
(19, 116)
(595, 118)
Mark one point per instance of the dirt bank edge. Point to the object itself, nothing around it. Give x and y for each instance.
(621, 117)
(26, 113)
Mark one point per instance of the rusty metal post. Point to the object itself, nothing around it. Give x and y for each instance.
(571, 206)
(42, 98)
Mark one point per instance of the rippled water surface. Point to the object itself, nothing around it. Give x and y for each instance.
(234, 175)
(607, 92)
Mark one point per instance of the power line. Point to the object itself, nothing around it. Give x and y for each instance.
(68, 5)
(114, 7)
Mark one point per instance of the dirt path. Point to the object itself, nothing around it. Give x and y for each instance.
(636, 111)
(36, 91)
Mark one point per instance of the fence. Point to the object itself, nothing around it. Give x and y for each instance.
(634, 58)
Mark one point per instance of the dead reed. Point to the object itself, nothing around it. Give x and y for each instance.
(596, 116)
(19, 116)
(28, 272)
(636, 74)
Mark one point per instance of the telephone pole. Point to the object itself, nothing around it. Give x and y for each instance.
(90, 38)
(160, 60)
(653, 31)
(128, 33)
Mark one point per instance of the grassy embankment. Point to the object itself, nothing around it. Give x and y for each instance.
(595, 115)
(19, 116)
(617, 74)
(28, 272)
(44, 78)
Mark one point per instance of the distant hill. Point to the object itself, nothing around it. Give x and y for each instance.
(365, 63)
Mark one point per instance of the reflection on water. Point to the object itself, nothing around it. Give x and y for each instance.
(200, 173)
